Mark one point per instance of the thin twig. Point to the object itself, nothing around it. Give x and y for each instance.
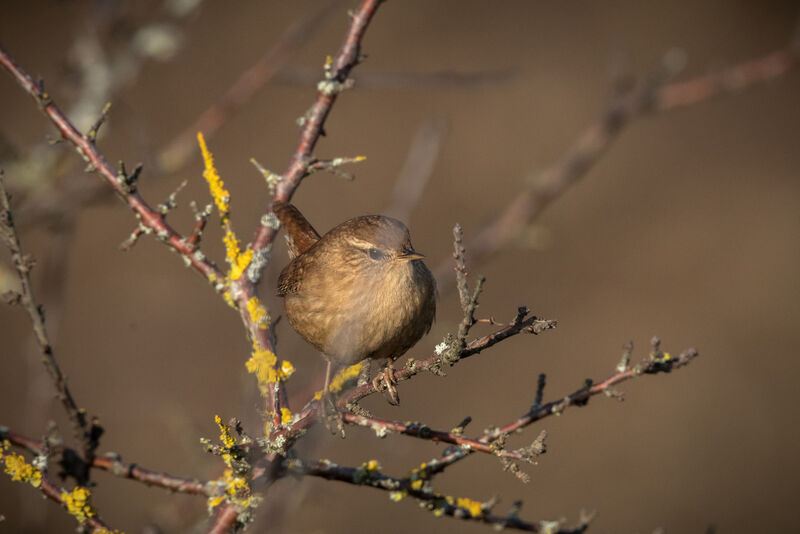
(312, 124)
(183, 146)
(383, 427)
(653, 96)
(653, 365)
(114, 465)
(435, 502)
(150, 218)
(418, 168)
(88, 433)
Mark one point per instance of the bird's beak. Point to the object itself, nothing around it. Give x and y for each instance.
(409, 255)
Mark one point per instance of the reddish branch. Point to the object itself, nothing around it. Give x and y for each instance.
(348, 57)
(245, 288)
(418, 430)
(657, 363)
(116, 467)
(175, 155)
(53, 492)
(653, 96)
(150, 218)
(336, 77)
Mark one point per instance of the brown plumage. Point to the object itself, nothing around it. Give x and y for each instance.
(359, 291)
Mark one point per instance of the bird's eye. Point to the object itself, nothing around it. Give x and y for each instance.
(376, 254)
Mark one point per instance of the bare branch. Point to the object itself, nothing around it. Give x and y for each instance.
(418, 168)
(87, 432)
(653, 95)
(181, 148)
(122, 184)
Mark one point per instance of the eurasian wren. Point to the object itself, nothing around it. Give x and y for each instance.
(359, 291)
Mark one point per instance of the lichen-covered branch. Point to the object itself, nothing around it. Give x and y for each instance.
(418, 487)
(113, 464)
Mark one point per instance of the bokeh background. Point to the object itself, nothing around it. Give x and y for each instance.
(687, 228)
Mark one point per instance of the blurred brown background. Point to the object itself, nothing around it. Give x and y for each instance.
(688, 228)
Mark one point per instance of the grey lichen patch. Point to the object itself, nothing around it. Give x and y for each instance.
(270, 220)
(257, 264)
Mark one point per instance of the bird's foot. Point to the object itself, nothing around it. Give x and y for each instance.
(330, 414)
(387, 376)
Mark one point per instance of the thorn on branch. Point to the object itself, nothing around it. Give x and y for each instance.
(200, 221)
(128, 181)
(131, 240)
(540, 384)
(625, 362)
(271, 178)
(582, 398)
(91, 135)
(172, 200)
(333, 166)
(460, 427)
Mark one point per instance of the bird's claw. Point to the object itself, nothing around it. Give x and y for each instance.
(331, 415)
(387, 376)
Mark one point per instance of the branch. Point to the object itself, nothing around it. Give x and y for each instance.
(655, 95)
(521, 324)
(438, 504)
(657, 362)
(183, 146)
(88, 433)
(244, 289)
(383, 427)
(121, 182)
(312, 124)
(114, 465)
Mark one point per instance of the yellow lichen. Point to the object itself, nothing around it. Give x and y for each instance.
(20, 470)
(262, 364)
(343, 376)
(235, 487)
(225, 433)
(286, 415)
(77, 503)
(238, 260)
(397, 496)
(372, 465)
(475, 508)
(216, 186)
(258, 313)
(287, 369)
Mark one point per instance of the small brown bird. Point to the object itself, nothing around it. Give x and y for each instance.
(360, 291)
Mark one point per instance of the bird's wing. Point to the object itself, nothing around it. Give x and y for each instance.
(289, 279)
(300, 235)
